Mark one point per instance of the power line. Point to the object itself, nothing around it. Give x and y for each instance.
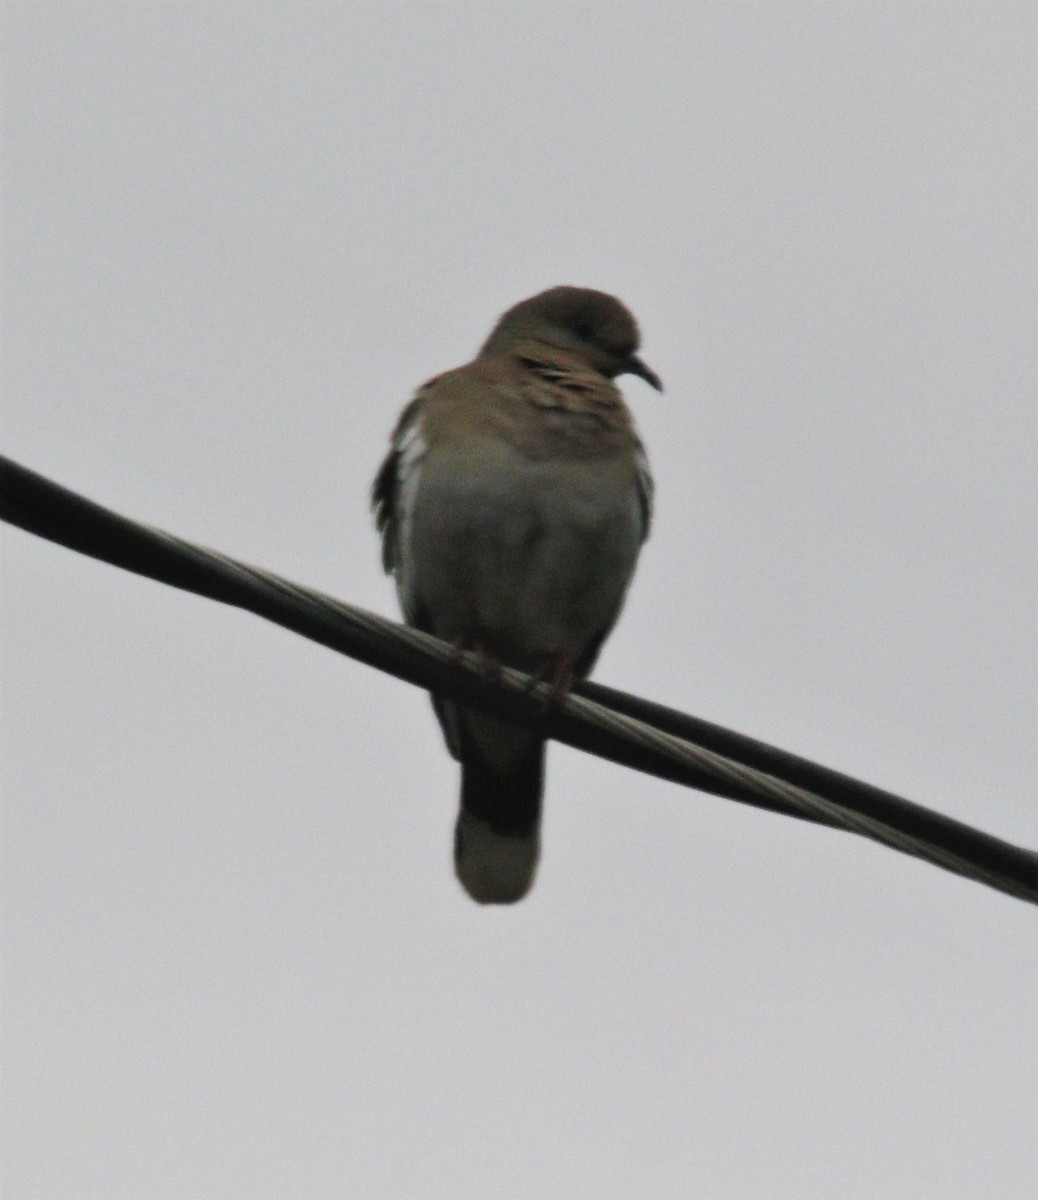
(622, 728)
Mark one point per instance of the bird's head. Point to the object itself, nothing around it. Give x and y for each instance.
(592, 325)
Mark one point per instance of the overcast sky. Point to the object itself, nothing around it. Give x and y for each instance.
(237, 963)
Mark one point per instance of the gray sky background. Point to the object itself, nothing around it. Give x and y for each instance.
(236, 960)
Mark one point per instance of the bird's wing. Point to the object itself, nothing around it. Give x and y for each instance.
(644, 484)
(396, 484)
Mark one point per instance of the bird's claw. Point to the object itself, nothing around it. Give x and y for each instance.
(557, 673)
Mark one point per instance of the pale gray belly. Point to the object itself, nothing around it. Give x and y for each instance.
(530, 559)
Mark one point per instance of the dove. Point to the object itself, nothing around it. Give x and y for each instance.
(512, 507)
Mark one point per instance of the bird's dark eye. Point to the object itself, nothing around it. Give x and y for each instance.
(582, 329)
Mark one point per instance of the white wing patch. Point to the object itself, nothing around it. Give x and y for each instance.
(644, 482)
(410, 453)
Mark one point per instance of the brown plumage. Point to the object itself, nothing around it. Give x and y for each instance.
(512, 506)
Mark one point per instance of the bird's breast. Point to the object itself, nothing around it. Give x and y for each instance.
(530, 557)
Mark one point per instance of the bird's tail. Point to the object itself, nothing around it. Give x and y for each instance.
(497, 838)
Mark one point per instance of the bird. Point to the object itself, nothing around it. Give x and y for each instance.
(512, 507)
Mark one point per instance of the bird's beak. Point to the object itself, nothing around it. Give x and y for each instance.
(635, 366)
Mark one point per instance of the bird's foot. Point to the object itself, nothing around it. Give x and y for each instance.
(487, 665)
(557, 672)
